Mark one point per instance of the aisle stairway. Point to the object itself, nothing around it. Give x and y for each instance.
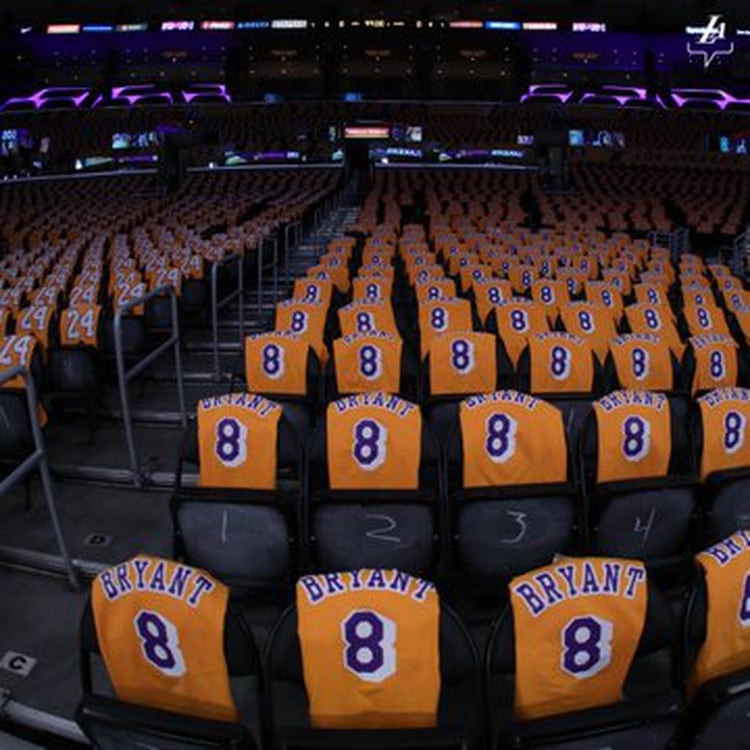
(105, 517)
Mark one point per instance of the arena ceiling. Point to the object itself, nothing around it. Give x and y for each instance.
(636, 14)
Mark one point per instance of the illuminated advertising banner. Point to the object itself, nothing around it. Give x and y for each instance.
(64, 28)
(178, 26)
(217, 25)
(367, 132)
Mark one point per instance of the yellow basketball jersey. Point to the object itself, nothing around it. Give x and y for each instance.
(5, 317)
(440, 316)
(303, 318)
(716, 364)
(473, 273)
(657, 321)
(79, 325)
(620, 280)
(16, 351)
(521, 278)
(434, 288)
(573, 278)
(719, 270)
(160, 628)
(602, 293)
(550, 293)
(703, 319)
(374, 441)
(642, 362)
(651, 294)
(386, 273)
(729, 284)
(367, 317)
(724, 416)
(463, 362)
(276, 362)
(577, 625)
(735, 299)
(370, 649)
(364, 289)
(592, 322)
(490, 292)
(516, 321)
(338, 270)
(560, 363)
(48, 295)
(634, 436)
(379, 256)
(314, 290)
(501, 446)
(726, 649)
(368, 363)
(35, 321)
(698, 297)
(237, 437)
(125, 292)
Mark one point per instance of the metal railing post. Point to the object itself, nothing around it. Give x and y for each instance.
(275, 240)
(259, 258)
(38, 460)
(215, 316)
(125, 376)
(217, 304)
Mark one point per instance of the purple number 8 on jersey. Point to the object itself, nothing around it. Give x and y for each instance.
(587, 646)
(160, 643)
(369, 651)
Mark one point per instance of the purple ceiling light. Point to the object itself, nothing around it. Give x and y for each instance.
(559, 91)
(72, 95)
(137, 92)
(209, 90)
(623, 95)
(710, 97)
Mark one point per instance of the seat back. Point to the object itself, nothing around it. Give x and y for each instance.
(246, 537)
(462, 363)
(74, 362)
(724, 458)
(283, 366)
(516, 510)
(713, 361)
(638, 464)
(608, 681)
(292, 682)
(371, 363)
(716, 650)
(373, 486)
(16, 439)
(166, 661)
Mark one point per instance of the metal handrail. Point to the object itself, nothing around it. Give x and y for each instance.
(219, 304)
(274, 240)
(37, 460)
(296, 226)
(125, 376)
